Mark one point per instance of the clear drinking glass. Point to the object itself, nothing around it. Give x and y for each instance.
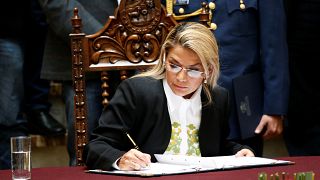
(21, 157)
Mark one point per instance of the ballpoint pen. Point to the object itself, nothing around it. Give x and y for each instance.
(132, 141)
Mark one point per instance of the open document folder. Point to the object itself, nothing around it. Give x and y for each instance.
(177, 164)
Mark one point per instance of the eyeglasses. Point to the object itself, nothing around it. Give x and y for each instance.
(191, 72)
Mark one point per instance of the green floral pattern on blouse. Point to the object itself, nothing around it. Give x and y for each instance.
(175, 140)
(193, 141)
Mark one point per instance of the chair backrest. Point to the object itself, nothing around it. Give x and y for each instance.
(131, 39)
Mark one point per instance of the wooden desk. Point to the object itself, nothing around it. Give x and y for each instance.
(308, 163)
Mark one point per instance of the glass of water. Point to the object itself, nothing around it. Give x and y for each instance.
(21, 157)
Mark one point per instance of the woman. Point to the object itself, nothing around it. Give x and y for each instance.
(175, 108)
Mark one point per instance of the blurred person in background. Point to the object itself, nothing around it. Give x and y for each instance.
(302, 131)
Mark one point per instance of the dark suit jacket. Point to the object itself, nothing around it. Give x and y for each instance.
(302, 132)
(140, 108)
(251, 40)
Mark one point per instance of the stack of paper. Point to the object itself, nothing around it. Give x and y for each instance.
(177, 164)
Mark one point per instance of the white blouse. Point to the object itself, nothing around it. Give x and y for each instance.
(185, 115)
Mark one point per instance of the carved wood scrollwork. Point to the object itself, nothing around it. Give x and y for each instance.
(135, 48)
(134, 35)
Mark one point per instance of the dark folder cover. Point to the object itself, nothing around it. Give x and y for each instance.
(248, 91)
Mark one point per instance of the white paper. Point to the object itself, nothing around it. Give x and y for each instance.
(218, 162)
(155, 169)
(178, 164)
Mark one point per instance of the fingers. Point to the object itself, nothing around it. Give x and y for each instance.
(272, 124)
(134, 160)
(260, 127)
(244, 153)
(271, 133)
(275, 127)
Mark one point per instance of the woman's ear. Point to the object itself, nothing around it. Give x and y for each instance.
(210, 71)
(207, 75)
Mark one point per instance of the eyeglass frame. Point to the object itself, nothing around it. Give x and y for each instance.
(180, 68)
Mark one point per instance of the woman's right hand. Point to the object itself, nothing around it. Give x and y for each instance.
(134, 160)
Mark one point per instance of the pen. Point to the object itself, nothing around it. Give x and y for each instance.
(132, 141)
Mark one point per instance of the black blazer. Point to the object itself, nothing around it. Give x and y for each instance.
(140, 107)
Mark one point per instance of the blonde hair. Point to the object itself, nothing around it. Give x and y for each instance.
(199, 39)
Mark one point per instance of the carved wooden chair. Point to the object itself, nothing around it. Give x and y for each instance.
(131, 39)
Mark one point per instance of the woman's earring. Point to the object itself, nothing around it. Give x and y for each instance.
(205, 81)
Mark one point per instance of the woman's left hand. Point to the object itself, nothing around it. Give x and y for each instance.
(244, 153)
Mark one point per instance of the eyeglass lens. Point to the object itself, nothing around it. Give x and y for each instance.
(191, 72)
